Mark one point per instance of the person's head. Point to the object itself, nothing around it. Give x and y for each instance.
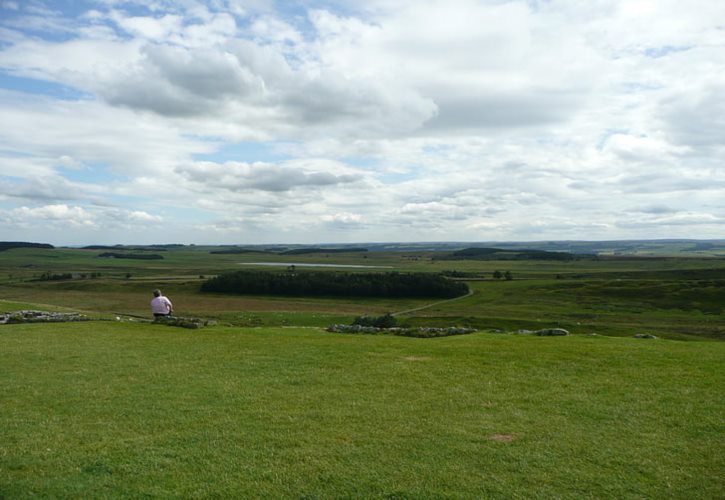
(157, 293)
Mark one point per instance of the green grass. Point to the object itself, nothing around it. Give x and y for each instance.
(676, 298)
(110, 409)
(683, 309)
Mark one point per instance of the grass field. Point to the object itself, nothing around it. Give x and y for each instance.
(111, 409)
(671, 297)
(268, 404)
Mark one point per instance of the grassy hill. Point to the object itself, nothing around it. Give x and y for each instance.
(124, 409)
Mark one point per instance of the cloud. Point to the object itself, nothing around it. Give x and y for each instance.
(182, 82)
(52, 214)
(58, 217)
(344, 221)
(696, 119)
(42, 189)
(451, 119)
(679, 219)
(642, 148)
(289, 176)
(91, 133)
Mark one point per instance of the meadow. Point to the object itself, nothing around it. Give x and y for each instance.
(671, 296)
(268, 404)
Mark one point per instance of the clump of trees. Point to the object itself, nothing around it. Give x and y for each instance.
(384, 321)
(232, 251)
(316, 283)
(7, 245)
(305, 251)
(138, 256)
(477, 253)
(505, 275)
(49, 276)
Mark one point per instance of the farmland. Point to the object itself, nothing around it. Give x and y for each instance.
(669, 295)
(269, 404)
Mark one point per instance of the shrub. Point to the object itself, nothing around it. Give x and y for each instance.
(385, 321)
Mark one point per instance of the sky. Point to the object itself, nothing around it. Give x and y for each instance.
(340, 121)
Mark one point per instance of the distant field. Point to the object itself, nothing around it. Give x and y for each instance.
(672, 297)
(135, 410)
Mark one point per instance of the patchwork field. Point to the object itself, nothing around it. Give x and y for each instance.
(268, 404)
(673, 297)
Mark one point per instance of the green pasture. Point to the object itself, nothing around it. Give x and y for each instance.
(192, 262)
(685, 309)
(677, 298)
(268, 404)
(108, 409)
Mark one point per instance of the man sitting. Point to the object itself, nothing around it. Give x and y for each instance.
(161, 307)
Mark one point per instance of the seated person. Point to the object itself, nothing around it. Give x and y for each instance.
(160, 305)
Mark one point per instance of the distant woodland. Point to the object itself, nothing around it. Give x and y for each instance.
(137, 256)
(7, 245)
(312, 283)
(476, 253)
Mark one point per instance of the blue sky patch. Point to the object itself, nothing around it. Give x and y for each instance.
(42, 87)
(96, 174)
(657, 52)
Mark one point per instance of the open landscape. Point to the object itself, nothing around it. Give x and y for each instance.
(450, 249)
(265, 402)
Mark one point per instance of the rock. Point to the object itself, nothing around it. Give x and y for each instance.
(39, 317)
(645, 336)
(191, 323)
(421, 332)
(551, 332)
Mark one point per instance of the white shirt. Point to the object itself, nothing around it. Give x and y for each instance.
(161, 305)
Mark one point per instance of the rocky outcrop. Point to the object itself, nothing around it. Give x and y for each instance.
(16, 317)
(191, 323)
(421, 332)
(552, 332)
(645, 336)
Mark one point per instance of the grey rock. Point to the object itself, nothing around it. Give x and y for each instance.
(552, 332)
(30, 316)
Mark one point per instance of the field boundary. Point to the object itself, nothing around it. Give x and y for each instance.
(416, 309)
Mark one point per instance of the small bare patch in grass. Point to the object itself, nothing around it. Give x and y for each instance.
(416, 358)
(502, 438)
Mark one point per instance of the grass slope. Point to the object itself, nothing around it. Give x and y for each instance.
(107, 409)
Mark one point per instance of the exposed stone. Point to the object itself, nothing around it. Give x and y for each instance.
(423, 332)
(645, 336)
(191, 323)
(30, 316)
(551, 332)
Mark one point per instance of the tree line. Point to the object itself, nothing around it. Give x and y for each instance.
(336, 284)
(8, 245)
(137, 256)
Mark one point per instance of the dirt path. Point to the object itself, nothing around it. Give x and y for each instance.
(470, 292)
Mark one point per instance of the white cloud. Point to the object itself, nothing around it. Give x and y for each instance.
(384, 120)
(52, 214)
